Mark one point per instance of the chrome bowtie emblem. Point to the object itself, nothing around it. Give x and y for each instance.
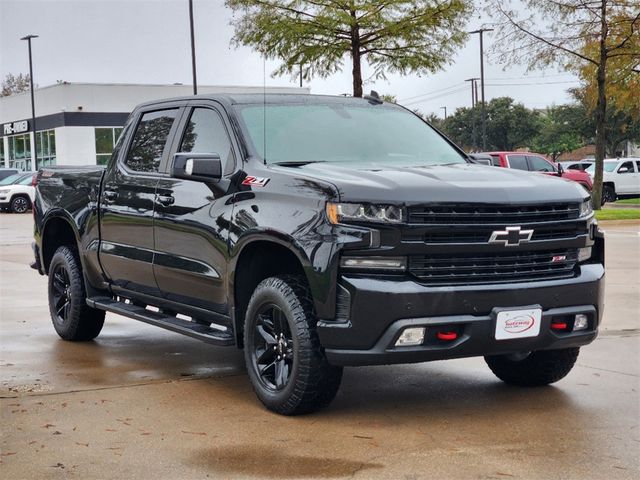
(511, 236)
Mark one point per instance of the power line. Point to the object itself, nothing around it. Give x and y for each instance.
(530, 83)
(435, 97)
(457, 85)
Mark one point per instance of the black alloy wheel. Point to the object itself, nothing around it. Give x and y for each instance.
(72, 318)
(273, 352)
(19, 205)
(286, 363)
(61, 293)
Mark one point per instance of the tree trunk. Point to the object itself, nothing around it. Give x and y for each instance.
(356, 56)
(601, 109)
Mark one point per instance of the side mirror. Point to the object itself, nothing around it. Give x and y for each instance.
(624, 170)
(204, 167)
(560, 169)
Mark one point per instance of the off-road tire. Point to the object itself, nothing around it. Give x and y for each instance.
(538, 368)
(312, 383)
(608, 194)
(76, 321)
(20, 204)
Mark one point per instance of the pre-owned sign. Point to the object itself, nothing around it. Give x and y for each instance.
(16, 127)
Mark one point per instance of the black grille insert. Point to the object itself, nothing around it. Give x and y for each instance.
(475, 268)
(495, 214)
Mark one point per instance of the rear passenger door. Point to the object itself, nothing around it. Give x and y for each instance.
(127, 203)
(192, 219)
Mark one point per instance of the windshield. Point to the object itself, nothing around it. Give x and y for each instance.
(335, 132)
(11, 179)
(608, 167)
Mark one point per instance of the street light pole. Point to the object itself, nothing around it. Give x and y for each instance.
(445, 112)
(34, 154)
(482, 106)
(193, 49)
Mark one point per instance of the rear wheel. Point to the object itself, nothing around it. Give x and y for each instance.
(72, 318)
(20, 204)
(535, 368)
(285, 362)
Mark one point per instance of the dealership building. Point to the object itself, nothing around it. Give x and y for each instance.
(79, 123)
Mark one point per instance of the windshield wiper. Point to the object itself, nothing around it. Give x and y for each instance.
(298, 163)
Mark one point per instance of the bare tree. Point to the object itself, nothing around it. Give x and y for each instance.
(573, 34)
(14, 84)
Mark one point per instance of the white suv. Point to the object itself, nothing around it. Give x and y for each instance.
(17, 193)
(621, 177)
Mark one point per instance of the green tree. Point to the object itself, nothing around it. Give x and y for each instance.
(14, 84)
(403, 36)
(561, 130)
(510, 125)
(583, 35)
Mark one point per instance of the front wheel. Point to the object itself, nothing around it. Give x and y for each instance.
(533, 369)
(72, 318)
(608, 194)
(20, 204)
(285, 362)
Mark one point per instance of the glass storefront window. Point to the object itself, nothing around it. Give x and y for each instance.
(19, 152)
(46, 148)
(106, 139)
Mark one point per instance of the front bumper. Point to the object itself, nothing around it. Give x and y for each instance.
(380, 309)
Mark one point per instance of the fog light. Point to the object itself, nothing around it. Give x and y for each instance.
(581, 322)
(584, 254)
(411, 336)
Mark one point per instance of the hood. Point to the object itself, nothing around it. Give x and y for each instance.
(455, 183)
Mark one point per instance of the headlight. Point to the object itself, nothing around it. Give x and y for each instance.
(4, 190)
(398, 264)
(586, 208)
(338, 212)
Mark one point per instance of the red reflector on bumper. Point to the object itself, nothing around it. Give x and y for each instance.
(558, 326)
(448, 336)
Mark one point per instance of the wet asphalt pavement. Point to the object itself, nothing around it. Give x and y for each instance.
(140, 402)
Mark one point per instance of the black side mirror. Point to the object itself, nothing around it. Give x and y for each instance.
(560, 169)
(204, 167)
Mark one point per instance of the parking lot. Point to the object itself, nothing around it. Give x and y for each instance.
(140, 402)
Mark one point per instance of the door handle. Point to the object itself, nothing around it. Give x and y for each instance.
(165, 200)
(110, 196)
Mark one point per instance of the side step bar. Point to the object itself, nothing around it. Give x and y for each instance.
(168, 322)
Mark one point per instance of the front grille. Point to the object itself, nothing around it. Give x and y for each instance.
(479, 268)
(492, 214)
(482, 235)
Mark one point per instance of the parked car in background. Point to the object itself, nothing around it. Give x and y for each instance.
(576, 164)
(17, 193)
(621, 178)
(7, 172)
(534, 162)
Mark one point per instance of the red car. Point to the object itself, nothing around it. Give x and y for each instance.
(534, 162)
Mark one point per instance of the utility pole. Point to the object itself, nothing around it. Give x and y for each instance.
(445, 112)
(474, 101)
(301, 75)
(482, 106)
(34, 153)
(193, 49)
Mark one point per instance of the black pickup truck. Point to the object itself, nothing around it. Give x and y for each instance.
(319, 232)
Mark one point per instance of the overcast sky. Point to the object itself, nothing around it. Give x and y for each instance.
(147, 41)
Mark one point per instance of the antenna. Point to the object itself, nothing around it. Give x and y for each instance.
(264, 109)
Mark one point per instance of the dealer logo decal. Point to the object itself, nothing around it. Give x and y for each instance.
(519, 324)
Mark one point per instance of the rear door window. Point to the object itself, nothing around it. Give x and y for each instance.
(519, 162)
(149, 140)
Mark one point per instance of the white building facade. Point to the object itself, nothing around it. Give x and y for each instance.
(79, 123)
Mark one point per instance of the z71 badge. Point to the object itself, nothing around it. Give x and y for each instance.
(255, 181)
